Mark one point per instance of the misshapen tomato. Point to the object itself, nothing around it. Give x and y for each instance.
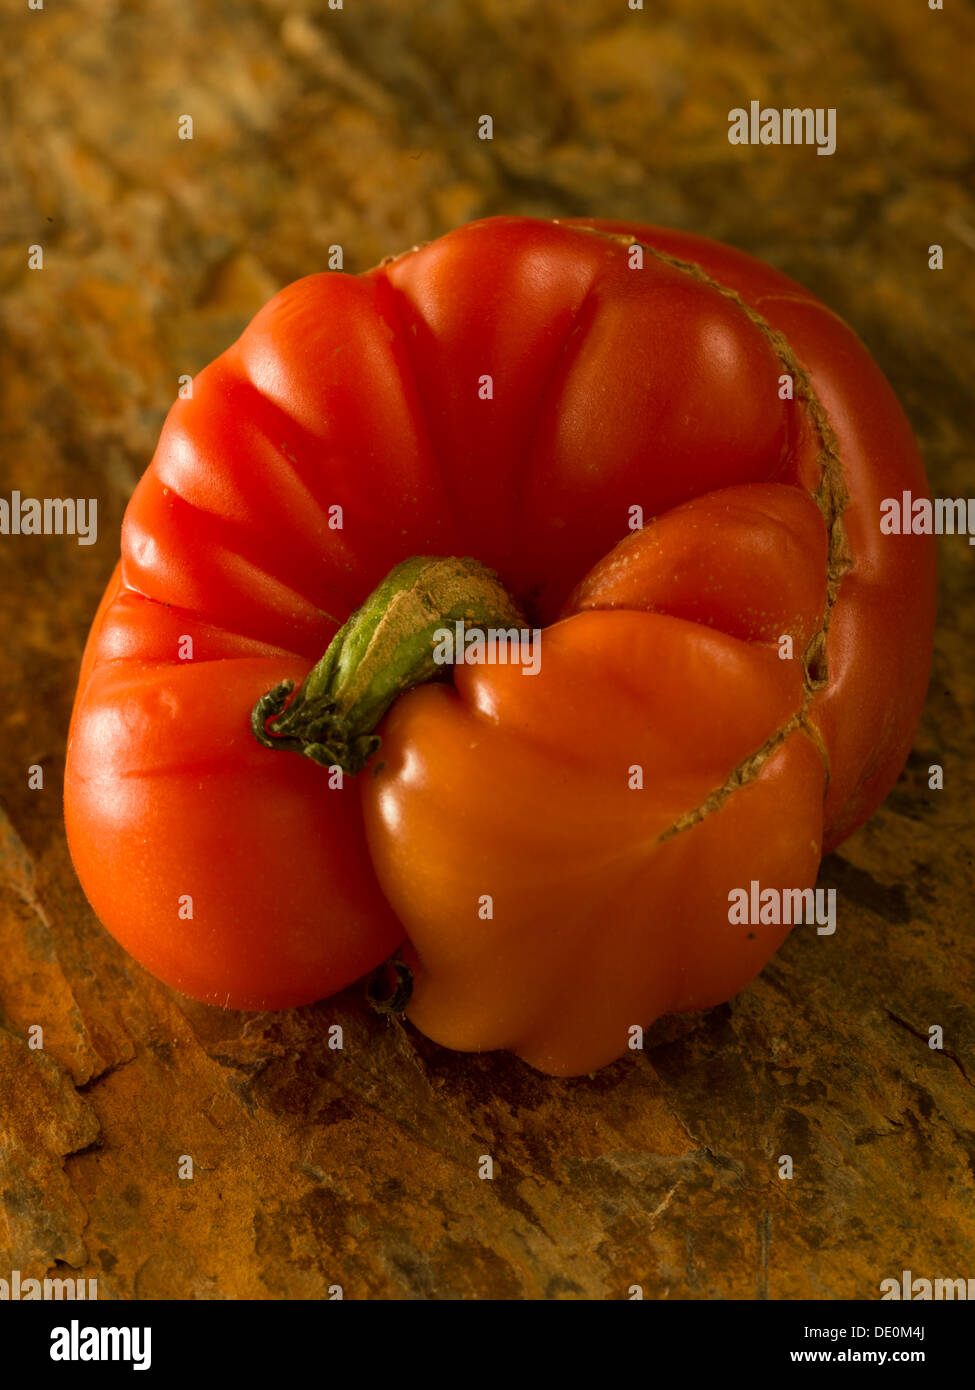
(510, 392)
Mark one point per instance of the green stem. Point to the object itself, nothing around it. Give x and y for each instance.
(387, 646)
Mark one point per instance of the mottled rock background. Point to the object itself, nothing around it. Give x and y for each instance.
(313, 1168)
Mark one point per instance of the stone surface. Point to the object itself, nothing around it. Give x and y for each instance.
(360, 1168)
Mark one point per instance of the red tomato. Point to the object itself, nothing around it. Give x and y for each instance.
(511, 392)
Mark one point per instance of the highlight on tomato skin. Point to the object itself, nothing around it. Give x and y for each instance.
(658, 459)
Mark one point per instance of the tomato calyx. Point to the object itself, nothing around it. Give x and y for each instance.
(386, 647)
(390, 988)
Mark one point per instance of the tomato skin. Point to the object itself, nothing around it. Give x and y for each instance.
(605, 922)
(881, 627)
(169, 797)
(749, 561)
(611, 388)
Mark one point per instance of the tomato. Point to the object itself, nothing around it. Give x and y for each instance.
(722, 694)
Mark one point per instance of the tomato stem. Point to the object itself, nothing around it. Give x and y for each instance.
(387, 646)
